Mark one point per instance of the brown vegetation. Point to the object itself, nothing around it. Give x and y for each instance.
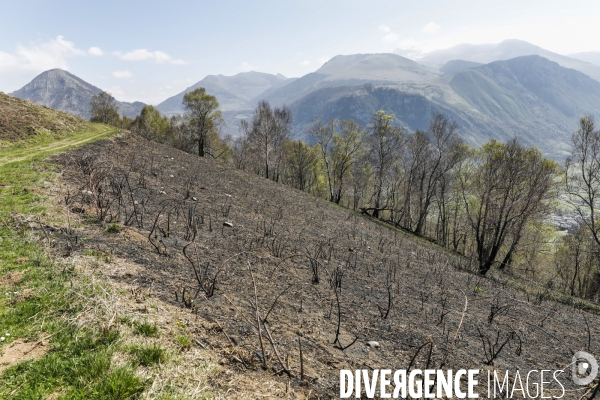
(21, 119)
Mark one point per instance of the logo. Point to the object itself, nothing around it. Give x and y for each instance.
(584, 368)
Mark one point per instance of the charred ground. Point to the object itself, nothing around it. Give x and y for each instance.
(239, 251)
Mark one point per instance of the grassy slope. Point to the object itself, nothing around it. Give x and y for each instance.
(70, 313)
(21, 119)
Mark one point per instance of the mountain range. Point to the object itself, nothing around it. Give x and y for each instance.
(493, 91)
(66, 92)
(505, 50)
(233, 92)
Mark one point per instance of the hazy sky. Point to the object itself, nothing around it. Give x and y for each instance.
(150, 50)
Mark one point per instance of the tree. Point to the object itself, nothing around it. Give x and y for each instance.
(340, 144)
(507, 186)
(431, 156)
(577, 265)
(151, 125)
(346, 149)
(582, 175)
(104, 109)
(202, 109)
(385, 142)
(301, 165)
(323, 134)
(267, 133)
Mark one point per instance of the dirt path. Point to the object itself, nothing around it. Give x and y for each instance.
(63, 144)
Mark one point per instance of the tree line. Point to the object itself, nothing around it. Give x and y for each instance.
(490, 203)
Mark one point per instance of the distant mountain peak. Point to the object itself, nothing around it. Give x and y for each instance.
(61, 90)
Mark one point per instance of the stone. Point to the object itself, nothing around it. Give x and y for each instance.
(373, 344)
(229, 224)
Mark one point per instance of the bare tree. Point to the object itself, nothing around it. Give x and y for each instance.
(431, 155)
(267, 133)
(582, 174)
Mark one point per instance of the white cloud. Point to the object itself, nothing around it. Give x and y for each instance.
(431, 28)
(246, 66)
(390, 36)
(159, 57)
(305, 63)
(95, 51)
(39, 57)
(122, 74)
(8, 61)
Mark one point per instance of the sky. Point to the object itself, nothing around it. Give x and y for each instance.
(151, 50)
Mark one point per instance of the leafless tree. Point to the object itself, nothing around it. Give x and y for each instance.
(267, 133)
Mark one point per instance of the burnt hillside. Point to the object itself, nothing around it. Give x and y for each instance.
(221, 242)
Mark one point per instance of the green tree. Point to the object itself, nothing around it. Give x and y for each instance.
(302, 167)
(151, 125)
(346, 149)
(506, 186)
(385, 145)
(202, 109)
(104, 109)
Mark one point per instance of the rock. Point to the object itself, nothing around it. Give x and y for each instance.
(229, 224)
(194, 199)
(373, 344)
(228, 195)
(162, 192)
(171, 176)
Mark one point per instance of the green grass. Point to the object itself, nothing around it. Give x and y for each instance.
(148, 355)
(113, 228)
(145, 328)
(184, 342)
(78, 364)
